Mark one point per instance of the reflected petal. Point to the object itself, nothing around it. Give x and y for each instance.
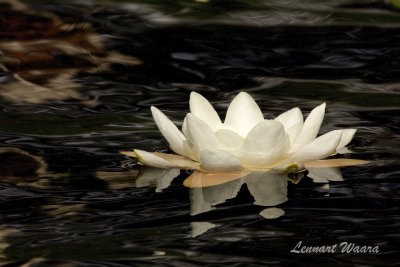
(202, 109)
(264, 145)
(200, 179)
(220, 193)
(332, 163)
(267, 188)
(320, 148)
(219, 160)
(204, 199)
(311, 126)
(243, 114)
(272, 213)
(324, 175)
(199, 228)
(177, 141)
(162, 177)
(197, 203)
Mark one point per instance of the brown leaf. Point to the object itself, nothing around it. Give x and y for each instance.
(333, 163)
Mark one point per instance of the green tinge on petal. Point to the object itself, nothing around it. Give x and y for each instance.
(265, 145)
(320, 148)
(171, 133)
(219, 160)
(243, 114)
(202, 109)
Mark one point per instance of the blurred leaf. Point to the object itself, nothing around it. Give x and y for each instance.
(395, 3)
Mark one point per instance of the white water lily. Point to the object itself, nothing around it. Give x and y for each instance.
(245, 140)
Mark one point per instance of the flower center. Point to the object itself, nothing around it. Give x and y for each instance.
(293, 168)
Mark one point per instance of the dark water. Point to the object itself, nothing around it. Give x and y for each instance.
(77, 80)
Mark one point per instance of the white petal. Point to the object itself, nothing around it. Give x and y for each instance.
(177, 141)
(324, 175)
(243, 114)
(161, 160)
(293, 132)
(219, 160)
(292, 121)
(184, 127)
(230, 140)
(202, 109)
(200, 135)
(179, 161)
(264, 145)
(347, 136)
(311, 126)
(320, 148)
(149, 159)
(290, 118)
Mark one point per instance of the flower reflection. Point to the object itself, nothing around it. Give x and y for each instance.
(199, 228)
(203, 199)
(207, 190)
(161, 178)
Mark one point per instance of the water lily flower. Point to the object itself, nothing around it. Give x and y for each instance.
(245, 140)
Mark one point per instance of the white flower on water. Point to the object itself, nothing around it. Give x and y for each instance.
(245, 140)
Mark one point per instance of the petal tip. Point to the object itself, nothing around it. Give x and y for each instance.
(195, 94)
(322, 106)
(128, 153)
(155, 111)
